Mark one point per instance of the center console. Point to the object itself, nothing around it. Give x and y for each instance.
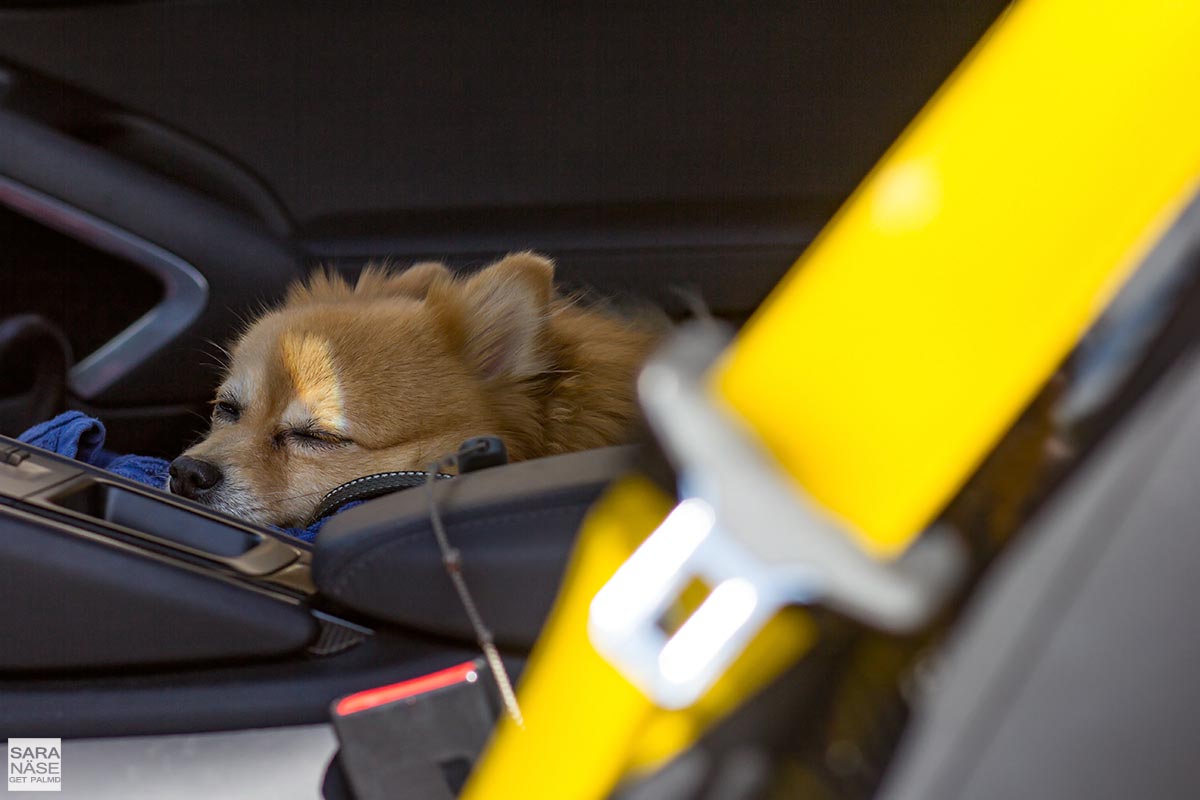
(101, 572)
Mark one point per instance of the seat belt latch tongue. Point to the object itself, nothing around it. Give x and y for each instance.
(417, 738)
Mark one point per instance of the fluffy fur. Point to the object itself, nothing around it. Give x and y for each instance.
(398, 369)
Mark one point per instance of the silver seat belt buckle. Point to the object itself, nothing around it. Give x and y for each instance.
(748, 534)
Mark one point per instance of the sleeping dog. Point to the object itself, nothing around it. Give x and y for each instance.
(395, 371)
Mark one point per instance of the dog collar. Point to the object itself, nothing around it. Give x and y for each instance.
(368, 487)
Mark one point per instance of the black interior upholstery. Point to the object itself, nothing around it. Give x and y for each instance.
(515, 526)
(1071, 674)
(396, 107)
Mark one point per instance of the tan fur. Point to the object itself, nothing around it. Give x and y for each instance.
(309, 364)
(405, 366)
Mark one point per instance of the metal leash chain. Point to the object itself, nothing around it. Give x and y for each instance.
(452, 561)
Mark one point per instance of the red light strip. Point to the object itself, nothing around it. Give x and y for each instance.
(371, 698)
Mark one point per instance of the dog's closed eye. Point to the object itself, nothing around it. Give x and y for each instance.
(227, 409)
(310, 437)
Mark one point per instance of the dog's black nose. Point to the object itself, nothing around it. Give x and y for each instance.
(192, 478)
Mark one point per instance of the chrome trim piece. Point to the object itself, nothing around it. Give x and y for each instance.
(185, 291)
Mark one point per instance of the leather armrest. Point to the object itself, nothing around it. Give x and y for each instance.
(515, 526)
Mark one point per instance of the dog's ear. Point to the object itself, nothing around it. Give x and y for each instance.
(502, 314)
(413, 282)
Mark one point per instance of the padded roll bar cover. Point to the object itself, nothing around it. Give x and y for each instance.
(515, 526)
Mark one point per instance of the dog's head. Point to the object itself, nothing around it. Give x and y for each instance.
(347, 381)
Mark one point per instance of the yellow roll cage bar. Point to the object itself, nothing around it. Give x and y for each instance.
(902, 345)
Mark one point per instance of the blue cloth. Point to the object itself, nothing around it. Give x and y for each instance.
(76, 435)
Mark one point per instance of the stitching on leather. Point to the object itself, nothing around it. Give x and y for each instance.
(408, 473)
(367, 491)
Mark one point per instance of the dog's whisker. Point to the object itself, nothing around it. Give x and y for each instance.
(220, 347)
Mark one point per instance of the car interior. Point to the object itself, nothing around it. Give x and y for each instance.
(168, 169)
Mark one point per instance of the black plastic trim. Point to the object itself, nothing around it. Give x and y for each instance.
(185, 291)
